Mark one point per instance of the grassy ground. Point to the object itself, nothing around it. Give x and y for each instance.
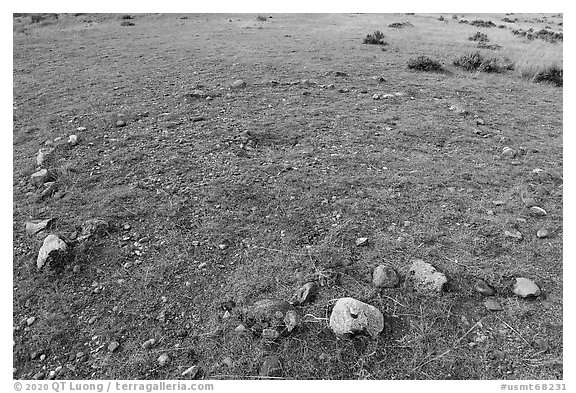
(415, 177)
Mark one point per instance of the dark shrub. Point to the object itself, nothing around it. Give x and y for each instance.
(441, 18)
(478, 37)
(501, 26)
(454, 16)
(375, 39)
(482, 23)
(126, 16)
(424, 63)
(466, 21)
(400, 25)
(476, 62)
(261, 18)
(127, 23)
(552, 74)
(37, 18)
(508, 20)
(484, 45)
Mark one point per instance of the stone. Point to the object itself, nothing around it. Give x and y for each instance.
(49, 189)
(541, 345)
(508, 152)
(42, 153)
(81, 129)
(191, 372)
(513, 234)
(240, 329)
(92, 320)
(92, 227)
(492, 304)
(73, 140)
(30, 321)
(526, 288)
(39, 375)
(375, 97)
(33, 227)
(538, 211)
(306, 292)
(120, 123)
(350, 316)
(426, 277)
(361, 241)
(228, 362)
(482, 288)
(148, 344)
(238, 84)
(76, 269)
(53, 250)
(270, 334)
(271, 367)
(291, 320)
(542, 233)
(113, 346)
(40, 177)
(385, 277)
(497, 203)
(163, 360)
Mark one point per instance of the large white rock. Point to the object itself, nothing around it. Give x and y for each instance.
(426, 277)
(526, 288)
(52, 244)
(353, 316)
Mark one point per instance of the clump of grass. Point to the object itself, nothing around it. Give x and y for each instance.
(465, 21)
(424, 63)
(127, 23)
(501, 26)
(377, 38)
(37, 18)
(455, 17)
(551, 74)
(484, 45)
(543, 34)
(400, 25)
(482, 23)
(481, 37)
(441, 18)
(261, 18)
(508, 20)
(126, 16)
(476, 62)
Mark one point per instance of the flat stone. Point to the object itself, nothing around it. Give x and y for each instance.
(526, 288)
(482, 288)
(385, 277)
(33, 227)
(542, 233)
(238, 84)
(492, 304)
(81, 129)
(426, 277)
(361, 241)
(30, 321)
(120, 123)
(350, 316)
(513, 234)
(40, 177)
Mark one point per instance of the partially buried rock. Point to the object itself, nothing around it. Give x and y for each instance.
(513, 234)
(191, 372)
(53, 251)
(113, 346)
(426, 277)
(526, 288)
(385, 277)
(163, 360)
(120, 123)
(33, 227)
(542, 233)
(42, 153)
(361, 241)
(492, 304)
(238, 84)
(351, 316)
(482, 288)
(49, 189)
(92, 227)
(41, 177)
(271, 367)
(306, 292)
(536, 210)
(149, 343)
(72, 140)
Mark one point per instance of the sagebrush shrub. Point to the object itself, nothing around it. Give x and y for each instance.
(424, 63)
(377, 38)
(127, 23)
(552, 74)
(476, 62)
(482, 23)
(261, 18)
(478, 37)
(126, 16)
(399, 25)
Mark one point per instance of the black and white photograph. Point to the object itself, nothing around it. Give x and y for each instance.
(278, 196)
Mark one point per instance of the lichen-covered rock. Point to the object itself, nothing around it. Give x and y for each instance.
(385, 277)
(353, 316)
(426, 277)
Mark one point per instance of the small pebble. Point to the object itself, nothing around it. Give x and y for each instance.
(30, 321)
(240, 329)
(163, 359)
(361, 241)
(76, 269)
(191, 372)
(120, 123)
(80, 129)
(542, 233)
(113, 346)
(149, 343)
(526, 288)
(202, 265)
(39, 375)
(538, 211)
(92, 320)
(492, 304)
(228, 362)
(482, 288)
